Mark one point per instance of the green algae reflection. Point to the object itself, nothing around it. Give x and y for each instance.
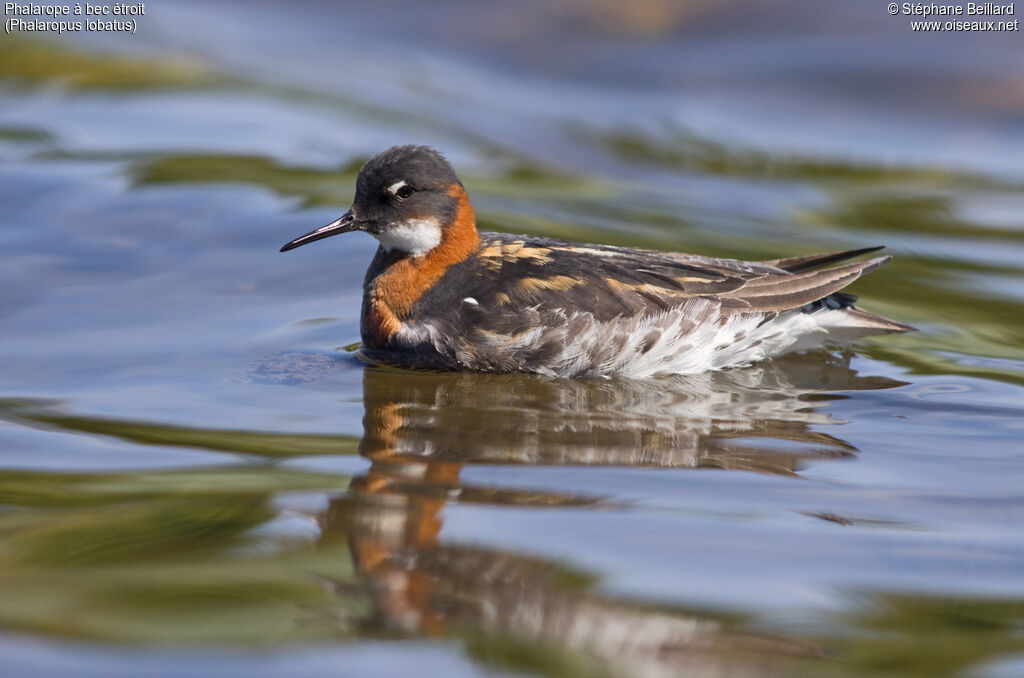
(41, 413)
(36, 62)
(167, 557)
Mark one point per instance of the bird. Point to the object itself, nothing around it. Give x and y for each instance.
(441, 295)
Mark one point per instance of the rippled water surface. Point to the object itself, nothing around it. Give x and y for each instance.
(197, 478)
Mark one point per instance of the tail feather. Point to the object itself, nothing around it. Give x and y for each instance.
(873, 323)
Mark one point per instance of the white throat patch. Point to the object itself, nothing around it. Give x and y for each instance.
(415, 237)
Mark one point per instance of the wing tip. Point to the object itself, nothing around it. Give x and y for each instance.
(786, 291)
(809, 262)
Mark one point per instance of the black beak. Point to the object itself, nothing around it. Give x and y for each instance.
(343, 224)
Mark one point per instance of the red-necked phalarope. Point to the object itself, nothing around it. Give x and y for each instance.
(440, 295)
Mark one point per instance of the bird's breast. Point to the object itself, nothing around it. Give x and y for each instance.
(396, 282)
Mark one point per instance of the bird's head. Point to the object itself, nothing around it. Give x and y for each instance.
(408, 197)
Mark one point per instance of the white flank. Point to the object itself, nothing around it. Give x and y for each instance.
(693, 339)
(415, 237)
(690, 339)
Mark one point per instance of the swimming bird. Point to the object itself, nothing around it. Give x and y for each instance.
(440, 295)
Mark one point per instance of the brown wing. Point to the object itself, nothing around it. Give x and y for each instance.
(610, 281)
(516, 272)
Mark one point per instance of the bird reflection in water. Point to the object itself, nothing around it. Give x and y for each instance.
(421, 429)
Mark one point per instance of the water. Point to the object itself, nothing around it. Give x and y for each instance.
(197, 478)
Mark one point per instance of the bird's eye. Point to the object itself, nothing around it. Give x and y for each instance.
(404, 192)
